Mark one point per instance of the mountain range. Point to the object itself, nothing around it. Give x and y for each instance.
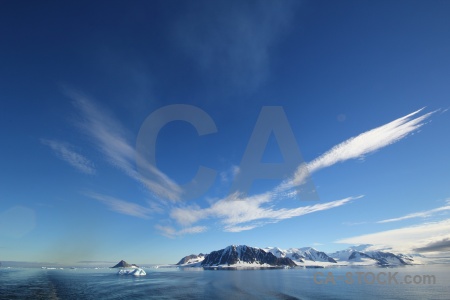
(246, 256)
(243, 255)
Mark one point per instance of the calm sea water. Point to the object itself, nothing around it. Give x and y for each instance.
(23, 283)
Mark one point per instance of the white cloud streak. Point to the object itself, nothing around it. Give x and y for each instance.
(170, 232)
(422, 214)
(245, 214)
(405, 239)
(111, 140)
(363, 144)
(369, 141)
(121, 206)
(65, 152)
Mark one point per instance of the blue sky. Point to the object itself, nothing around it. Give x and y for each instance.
(360, 88)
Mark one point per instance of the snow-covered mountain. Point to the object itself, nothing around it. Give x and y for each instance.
(244, 256)
(191, 259)
(363, 255)
(301, 255)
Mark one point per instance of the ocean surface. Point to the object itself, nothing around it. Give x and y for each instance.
(194, 283)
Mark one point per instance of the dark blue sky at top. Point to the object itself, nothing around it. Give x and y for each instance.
(328, 44)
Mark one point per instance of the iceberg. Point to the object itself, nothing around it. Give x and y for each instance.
(134, 272)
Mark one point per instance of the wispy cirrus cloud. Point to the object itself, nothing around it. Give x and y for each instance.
(421, 214)
(370, 141)
(111, 139)
(121, 206)
(361, 145)
(65, 152)
(245, 214)
(406, 239)
(171, 232)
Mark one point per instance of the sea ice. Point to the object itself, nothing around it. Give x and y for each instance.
(134, 272)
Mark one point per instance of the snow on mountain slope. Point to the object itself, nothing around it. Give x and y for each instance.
(315, 255)
(301, 256)
(364, 255)
(191, 260)
(243, 255)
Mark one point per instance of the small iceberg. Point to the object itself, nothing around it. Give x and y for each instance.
(134, 272)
